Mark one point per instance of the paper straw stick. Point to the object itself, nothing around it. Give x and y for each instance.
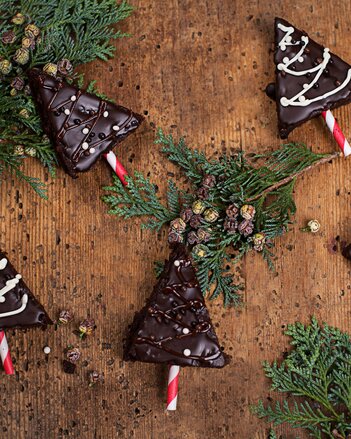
(337, 133)
(5, 354)
(172, 389)
(117, 166)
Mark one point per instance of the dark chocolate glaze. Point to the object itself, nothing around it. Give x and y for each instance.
(53, 97)
(287, 85)
(156, 334)
(33, 315)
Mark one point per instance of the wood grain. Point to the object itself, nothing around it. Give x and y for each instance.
(196, 68)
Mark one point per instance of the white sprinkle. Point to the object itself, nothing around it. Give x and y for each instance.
(105, 113)
(300, 59)
(302, 98)
(47, 350)
(177, 263)
(286, 60)
(73, 98)
(92, 150)
(187, 352)
(67, 111)
(85, 130)
(115, 127)
(185, 331)
(85, 145)
(284, 101)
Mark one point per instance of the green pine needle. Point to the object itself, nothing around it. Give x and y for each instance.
(317, 373)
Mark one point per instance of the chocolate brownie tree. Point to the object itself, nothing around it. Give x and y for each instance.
(18, 307)
(309, 78)
(56, 36)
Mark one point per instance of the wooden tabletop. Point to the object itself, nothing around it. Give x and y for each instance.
(196, 68)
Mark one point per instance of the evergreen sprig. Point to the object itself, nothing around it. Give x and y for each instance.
(266, 182)
(317, 373)
(78, 31)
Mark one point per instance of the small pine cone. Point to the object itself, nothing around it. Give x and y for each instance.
(18, 19)
(203, 235)
(65, 67)
(211, 215)
(24, 113)
(28, 43)
(87, 327)
(178, 225)
(73, 355)
(18, 150)
(174, 237)
(209, 181)
(50, 69)
(27, 90)
(186, 214)
(198, 207)
(5, 67)
(65, 317)
(13, 92)
(95, 377)
(21, 56)
(230, 225)
(246, 227)
(8, 37)
(259, 240)
(17, 83)
(202, 193)
(31, 31)
(200, 250)
(195, 221)
(30, 151)
(192, 238)
(232, 211)
(247, 211)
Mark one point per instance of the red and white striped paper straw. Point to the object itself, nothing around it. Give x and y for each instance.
(5, 354)
(172, 389)
(337, 133)
(117, 166)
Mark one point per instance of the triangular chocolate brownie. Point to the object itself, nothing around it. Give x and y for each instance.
(81, 125)
(18, 306)
(309, 78)
(174, 327)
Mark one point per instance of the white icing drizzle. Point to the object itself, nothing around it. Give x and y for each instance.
(300, 100)
(10, 285)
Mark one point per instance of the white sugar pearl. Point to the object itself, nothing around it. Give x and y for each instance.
(2, 299)
(300, 59)
(185, 331)
(47, 350)
(67, 111)
(73, 98)
(105, 113)
(85, 145)
(85, 130)
(286, 60)
(92, 150)
(305, 85)
(177, 263)
(302, 98)
(187, 352)
(115, 127)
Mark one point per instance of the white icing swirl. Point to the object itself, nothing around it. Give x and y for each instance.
(300, 100)
(10, 285)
